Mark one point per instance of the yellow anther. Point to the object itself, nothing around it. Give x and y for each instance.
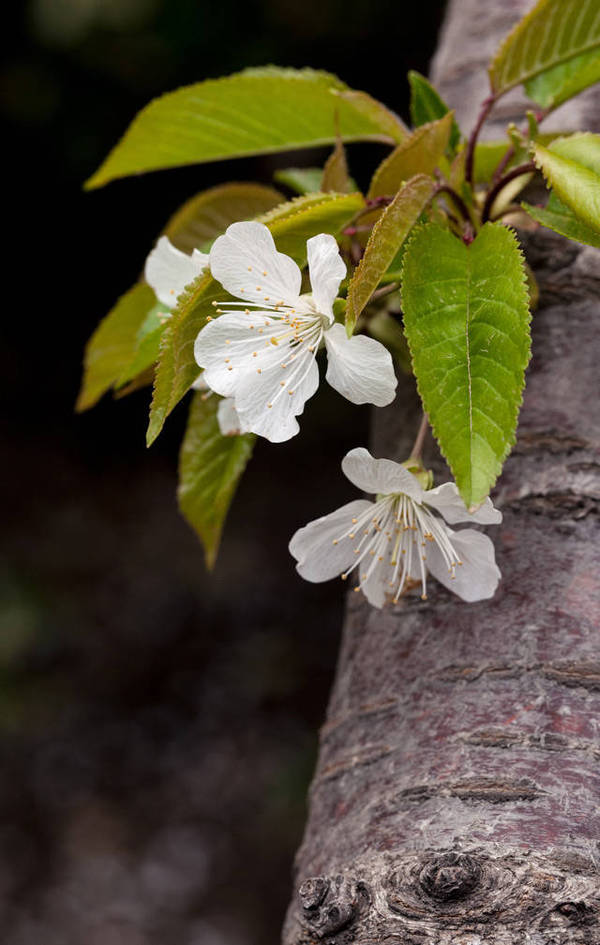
(209, 318)
(351, 534)
(214, 303)
(357, 588)
(259, 288)
(264, 272)
(354, 521)
(249, 268)
(334, 542)
(254, 354)
(290, 392)
(343, 576)
(227, 341)
(269, 406)
(274, 340)
(259, 370)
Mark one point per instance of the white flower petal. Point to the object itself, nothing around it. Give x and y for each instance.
(200, 383)
(379, 475)
(168, 270)
(446, 499)
(245, 261)
(359, 368)
(269, 404)
(374, 587)
(327, 269)
(478, 575)
(231, 346)
(241, 361)
(227, 417)
(312, 546)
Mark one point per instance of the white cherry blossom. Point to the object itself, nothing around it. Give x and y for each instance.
(168, 271)
(399, 537)
(262, 350)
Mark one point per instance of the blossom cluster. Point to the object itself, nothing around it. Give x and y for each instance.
(259, 353)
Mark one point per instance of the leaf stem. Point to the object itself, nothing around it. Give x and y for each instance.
(486, 108)
(510, 152)
(384, 290)
(417, 449)
(457, 199)
(501, 184)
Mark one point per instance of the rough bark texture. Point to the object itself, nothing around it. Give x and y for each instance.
(457, 792)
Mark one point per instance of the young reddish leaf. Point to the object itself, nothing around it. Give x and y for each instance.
(419, 154)
(387, 236)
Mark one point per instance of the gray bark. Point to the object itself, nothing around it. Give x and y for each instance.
(456, 799)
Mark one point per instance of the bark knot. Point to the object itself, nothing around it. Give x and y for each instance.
(332, 905)
(451, 876)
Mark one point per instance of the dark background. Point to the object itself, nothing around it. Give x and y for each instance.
(157, 725)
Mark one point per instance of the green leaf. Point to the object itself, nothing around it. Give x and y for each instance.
(301, 180)
(426, 105)
(209, 213)
(565, 80)
(576, 180)
(387, 236)
(291, 225)
(419, 154)
(112, 346)
(210, 467)
(258, 111)
(335, 173)
(552, 33)
(584, 148)
(562, 220)
(466, 319)
(147, 345)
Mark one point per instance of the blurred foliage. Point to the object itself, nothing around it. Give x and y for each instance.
(132, 694)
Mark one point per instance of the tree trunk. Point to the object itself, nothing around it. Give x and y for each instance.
(457, 792)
